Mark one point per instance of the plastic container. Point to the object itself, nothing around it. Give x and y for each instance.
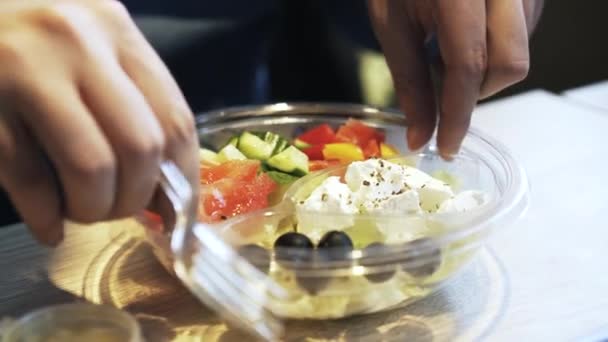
(74, 322)
(372, 279)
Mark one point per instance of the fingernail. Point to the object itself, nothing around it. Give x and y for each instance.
(448, 153)
(446, 156)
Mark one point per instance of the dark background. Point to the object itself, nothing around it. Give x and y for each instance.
(569, 49)
(570, 46)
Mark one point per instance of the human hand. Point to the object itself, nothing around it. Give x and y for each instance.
(483, 46)
(87, 113)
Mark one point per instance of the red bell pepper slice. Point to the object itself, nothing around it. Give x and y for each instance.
(315, 152)
(371, 150)
(321, 134)
(356, 132)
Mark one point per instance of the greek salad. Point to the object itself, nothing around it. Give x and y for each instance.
(253, 168)
(368, 201)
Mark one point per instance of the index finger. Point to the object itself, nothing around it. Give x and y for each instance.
(461, 32)
(149, 73)
(402, 43)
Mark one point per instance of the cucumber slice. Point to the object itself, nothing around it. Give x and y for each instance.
(253, 147)
(208, 157)
(234, 141)
(278, 143)
(291, 160)
(302, 145)
(272, 139)
(281, 145)
(281, 177)
(230, 152)
(265, 167)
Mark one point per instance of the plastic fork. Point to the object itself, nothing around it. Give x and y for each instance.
(213, 271)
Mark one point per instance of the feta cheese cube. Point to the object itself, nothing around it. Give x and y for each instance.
(333, 197)
(432, 192)
(463, 202)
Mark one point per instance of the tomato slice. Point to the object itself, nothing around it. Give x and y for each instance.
(244, 170)
(315, 152)
(321, 134)
(237, 188)
(347, 135)
(356, 132)
(371, 150)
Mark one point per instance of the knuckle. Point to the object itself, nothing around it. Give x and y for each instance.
(475, 63)
(91, 168)
(513, 71)
(406, 82)
(59, 18)
(90, 188)
(115, 7)
(115, 11)
(16, 63)
(181, 130)
(412, 86)
(11, 53)
(144, 150)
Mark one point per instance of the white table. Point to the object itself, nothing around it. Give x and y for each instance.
(543, 279)
(555, 257)
(594, 95)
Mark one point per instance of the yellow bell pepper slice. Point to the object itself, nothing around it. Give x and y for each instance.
(344, 152)
(388, 151)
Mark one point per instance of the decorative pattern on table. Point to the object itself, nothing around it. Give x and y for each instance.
(124, 272)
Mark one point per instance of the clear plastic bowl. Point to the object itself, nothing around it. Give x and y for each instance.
(74, 322)
(372, 279)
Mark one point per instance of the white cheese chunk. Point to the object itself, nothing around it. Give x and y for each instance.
(463, 202)
(397, 205)
(402, 229)
(432, 192)
(331, 196)
(394, 194)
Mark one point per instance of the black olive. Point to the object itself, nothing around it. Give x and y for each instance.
(425, 255)
(292, 248)
(312, 283)
(335, 246)
(257, 255)
(293, 240)
(376, 277)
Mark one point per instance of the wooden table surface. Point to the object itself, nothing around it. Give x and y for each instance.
(542, 279)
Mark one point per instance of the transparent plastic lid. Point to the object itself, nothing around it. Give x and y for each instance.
(210, 264)
(75, 322)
